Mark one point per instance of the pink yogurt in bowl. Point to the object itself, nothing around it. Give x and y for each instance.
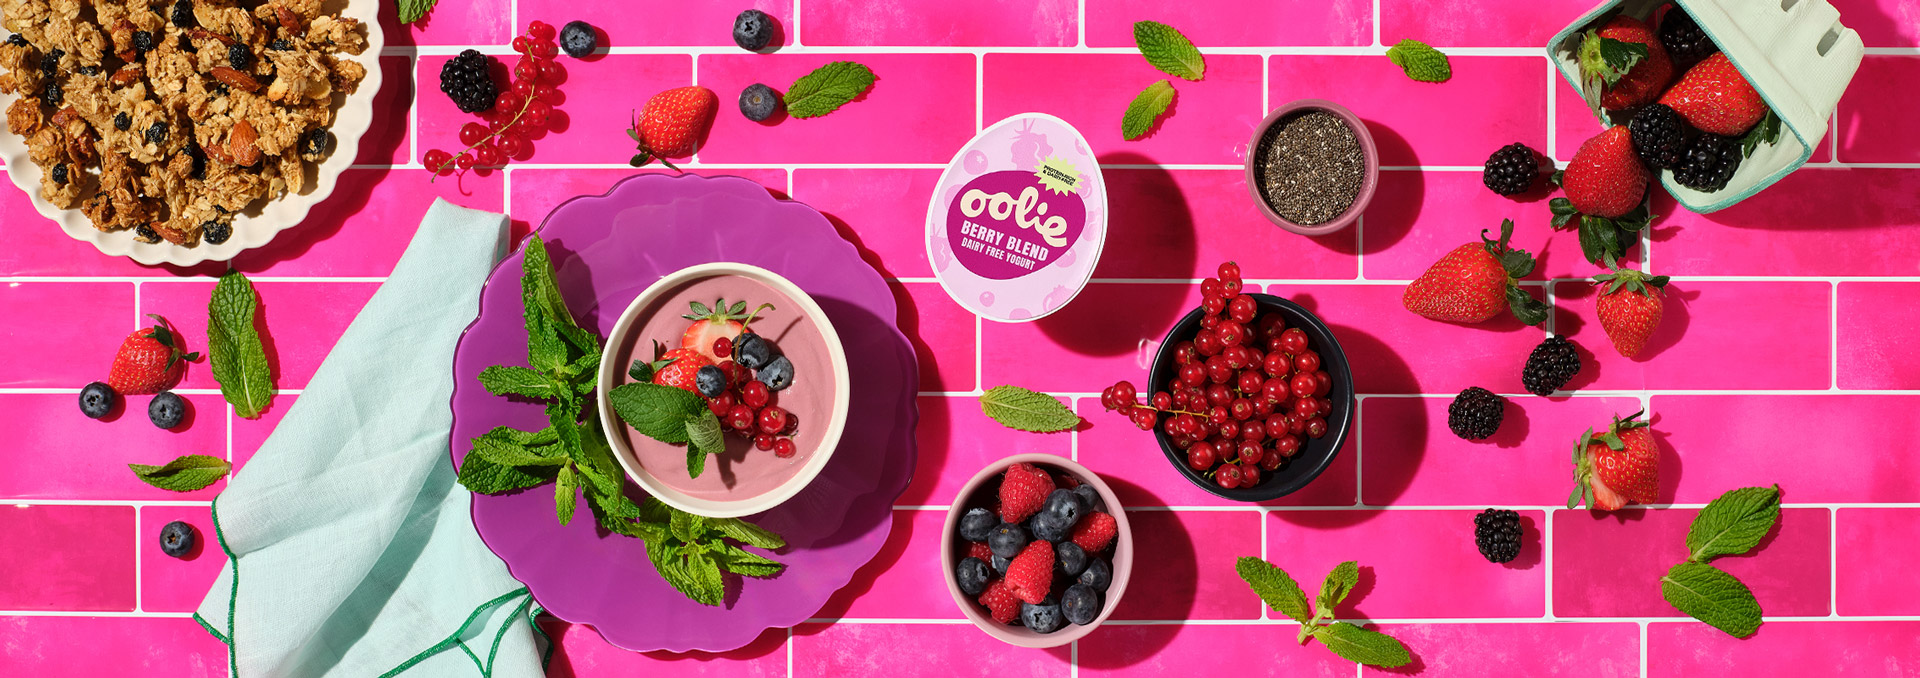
(743, 480)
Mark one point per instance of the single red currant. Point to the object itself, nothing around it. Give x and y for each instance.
(1226, 431)
(1229, 271)
(1236, 356)
(1208, 343)
(1200, 456)
(520, 44)
(439, 161)
(1296, 425)
(1218, 416)
(1184, 353)
(763, 442)
(783, 448)
(1322, 407)
(1249, 473)
(740, 418)
(1271, 461)
(1209, 321)
(464, 161)
(539, 30)
(510, 145)
(1193, 374)
(1217, 370)
(1209, 289)
(1316, 427)
(1263, 407)
(1303, 408)
(1242, 309)
(1213, 305)
(1278, 364)
(543, 49)
(1322, 383)
(487, 156)
(1124, 393)
(720, 404)
(1286, 445)
(772, 419)
(1272, 324)
(525, 71)
(754, 394)
(1306, 361)
(1219, 394)
(1250, 382)
(1250, 451)
(1275, 389)
(1162, 401)
(1229, 288)
(723, 346)
(1144, 418)
(739, 376)
(473, 132)
(1293, 340)
(1231, 334)
(1228, 476)
(1241, 409)
(1301, 385)
(1253, 429)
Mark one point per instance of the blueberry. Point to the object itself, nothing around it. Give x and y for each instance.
(777, 375)
(1069, 558)
(758, 102)
(972, 573)
(1049, 527)
(214, 232)
(1097, 575)
(752, 30)
(977, 524)
(1006, 540)
(280, 45)
(183, 14)
(710, 380)
(167, 410)
(96, 400)
(1064, 506)
(315, 142)
(1000, 564)
(17, 40)
(143, 41)
(578, 39)
(239, 57)
(176, 539)
(1090, 499)
(1042, 618)
(157, 133)
(60, 173)
(1080, 603)
(122, 121)
(752, 352)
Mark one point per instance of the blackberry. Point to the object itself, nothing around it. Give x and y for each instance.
(157, 133)
(183, 14)
(143, 41)
(1659, 134)
(122, 121)
(1511, 170)
(1683, 38)
(280, 45)
(60, 173)
(53, 95)
(315, 142)
(214, 232)
(145, 233)
(239, 57)
(1552, 364)
(465, 80)
(1475, 414)
(17, 40)
(1497, 533)
(1708, 163)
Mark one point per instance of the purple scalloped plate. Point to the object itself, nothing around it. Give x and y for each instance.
(606, 249)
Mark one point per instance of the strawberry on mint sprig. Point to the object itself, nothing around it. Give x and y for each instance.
(517, 115)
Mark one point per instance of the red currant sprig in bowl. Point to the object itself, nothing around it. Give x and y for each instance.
(518, 116)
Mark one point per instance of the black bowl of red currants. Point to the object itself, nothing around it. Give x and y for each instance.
(1254, 395)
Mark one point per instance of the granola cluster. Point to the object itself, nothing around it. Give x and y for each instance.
(169, 117)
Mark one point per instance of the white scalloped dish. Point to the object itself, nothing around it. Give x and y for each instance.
(258, 225)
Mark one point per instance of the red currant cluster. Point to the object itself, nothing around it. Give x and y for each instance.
(747, 409)
(1248, 393)
(519, 115)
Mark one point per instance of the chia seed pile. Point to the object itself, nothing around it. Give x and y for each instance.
(1311, 167)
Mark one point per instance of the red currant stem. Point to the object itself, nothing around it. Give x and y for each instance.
(1148, 406)
(756, 312)
(530, 98)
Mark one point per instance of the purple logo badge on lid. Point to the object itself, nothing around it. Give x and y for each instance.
(1007, 224)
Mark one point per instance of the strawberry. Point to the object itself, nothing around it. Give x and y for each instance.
(1605, 178)
(1616, 467)
(1474, 281)
(979, 550)
(1030, 575)
(1612, 67)
(671, 124)
(716, 322)
(676, 368)
(1714, 98)
(1095, 532)
(1629, 308)
(999, 599)
(1022, 492)
(149, 361)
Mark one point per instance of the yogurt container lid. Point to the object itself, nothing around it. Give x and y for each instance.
(1018, 219)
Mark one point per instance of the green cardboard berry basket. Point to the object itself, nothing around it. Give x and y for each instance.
(1795, 53)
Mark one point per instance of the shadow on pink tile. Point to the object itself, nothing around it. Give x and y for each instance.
(1209, 122)
(1183, 224)
(1816, 221)
(916, 651)
(1211, 650)
(881, 211)
(169, 584)
(55, 453)
(1882, 23)
(1105, 335)
(1876, 124)
(1189, 558)
(81, 558)
(536, 192)
(1705, 327)
(1467, 650)
(956, 440)
(1819, 649)
(904, 579)
(363, 228)
(1873, 462)
(579, 652)
(91, 647)
(942, 334)
(1227, 23)
(386, 143)
(983, 23)
(1873, 547)
(1412, 563)
(1502, 23)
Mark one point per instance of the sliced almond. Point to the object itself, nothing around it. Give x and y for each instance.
(289, 20)
(235, 79)
(204, 34)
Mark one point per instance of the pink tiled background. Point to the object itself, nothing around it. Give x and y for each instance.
(1787, 354)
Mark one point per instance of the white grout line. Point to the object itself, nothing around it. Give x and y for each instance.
(138, 575)
(1833, 563)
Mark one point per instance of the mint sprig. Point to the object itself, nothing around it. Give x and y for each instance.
(184, 474)
(1019, 408)
(1732, 524)
(1168, 50)
(1146, 108)
(827, 88)
(234, 353)
(671, 415)
(1351, 642)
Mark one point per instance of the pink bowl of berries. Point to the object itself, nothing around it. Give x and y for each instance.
(1251, 396)
(725, 389)
(1038, 550)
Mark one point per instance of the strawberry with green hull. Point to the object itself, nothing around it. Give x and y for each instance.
(1629, 307)
(1606, 188)
(679, 368)
(149, 361)
(719, 321)
(1475, 281)
(1616, 467)
(1715, 99)
(671, 124)
(1622, 64)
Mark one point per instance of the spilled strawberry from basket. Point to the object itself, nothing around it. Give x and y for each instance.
(1623, 65)
(150, 360)
(1606, 187)
(671, 125)
(1618, 466)
(1629, 307)
(1475, 281)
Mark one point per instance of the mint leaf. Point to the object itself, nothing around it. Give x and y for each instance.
(709, 588)
(505, 380)
(511, 454)
(1362, 646)
(1168, 50)
(658, 412)
(1019, 408)
(518, 437)
(183, 474)
(481, 476)
(413, 10)
(1420, 62)
(703, 438)
(234, 353)
(1274, 587)
(542, 308)
(686, 526)
(565, 487)
(1734, 523)
(1146, 108)
(1337, 585)
(1712, 596)
(747, 533)
(745, 563)
(827, 88)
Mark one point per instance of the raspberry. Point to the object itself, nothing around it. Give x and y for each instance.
(1023, 490)
(1000, 601)
(1095, 532)
(1475, 414)
(1030, 575)
(1497, 533)
(979, 550)
(1658, 135)
(1708, 163)
(1511, 170)
(1552, 364)
(466, 81)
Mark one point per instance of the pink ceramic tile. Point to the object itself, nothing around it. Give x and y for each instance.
(1211, 650)
(708, 24)
(366, 224)
(1209, 121)
(904, 580)
(1610, 564)
(1132, 462)
(1184, 565)
(1461, 650)
(37, 246)
(1412, 563)
(956, 440)
(80, 558)
(1878, 325)
(916, 651)
(1452, 123)
(1782, 649)
(169, 584)
(1882, 23)
(1087, 346)
(55, 453)
(1867, 542)
(537, 191)
(1876, 123)
(1411, 457)
(70, 330)
(1705, 327)
(1184, 223)
(249, 434)
(298, 321)
(1873, 462)
(1816, 221)
(942, 335)
(598, 99)
(579, 652)
(993, 23)
(1507, 23)
(386, 142)
(487, 22)
(920, 109)
(882, 211)
(1399, 352)
(1421, 216)
(1224, 23)
(88, 647)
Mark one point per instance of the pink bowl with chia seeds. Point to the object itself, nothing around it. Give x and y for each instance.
(1370, 177)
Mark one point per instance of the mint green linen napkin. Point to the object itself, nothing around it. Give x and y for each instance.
(350, 548)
